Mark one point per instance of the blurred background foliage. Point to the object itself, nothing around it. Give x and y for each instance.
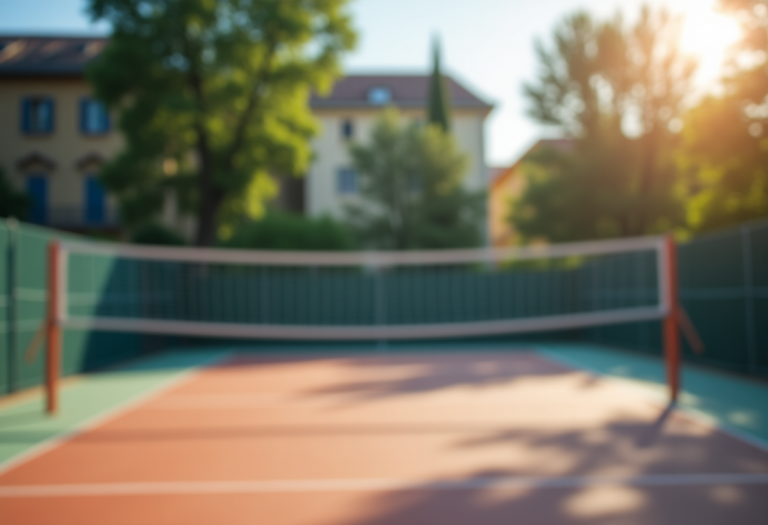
(13, 202)
(411, 182)
(647, 155)
(158, 234)
(213, 98)
(213, 104)
(724, 155)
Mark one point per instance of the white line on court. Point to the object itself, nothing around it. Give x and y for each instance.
(373, 485)
(119, 409)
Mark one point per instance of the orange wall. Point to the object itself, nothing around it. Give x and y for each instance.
(505, 188)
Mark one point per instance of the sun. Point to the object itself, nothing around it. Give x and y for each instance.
(707, 35)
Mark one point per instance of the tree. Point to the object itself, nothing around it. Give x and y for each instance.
(438, 101)
(213, 98)
(618, 91)
(411, 188)
(725, 138)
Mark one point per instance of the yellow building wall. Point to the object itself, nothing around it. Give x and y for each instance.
(66, 145)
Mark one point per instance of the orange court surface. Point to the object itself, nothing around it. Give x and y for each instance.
(398, 438)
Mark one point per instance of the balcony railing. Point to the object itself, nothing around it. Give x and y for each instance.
(74, 217)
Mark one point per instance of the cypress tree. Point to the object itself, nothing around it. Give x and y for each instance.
(438, 105)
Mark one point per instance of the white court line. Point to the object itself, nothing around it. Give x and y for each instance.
(373, 485)
(111, 413)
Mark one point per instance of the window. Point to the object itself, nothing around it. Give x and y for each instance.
(347, 181)
(37, 115)
(94, 117)
(95, 212)
(37, 189)
(379, 96)
(347, 129)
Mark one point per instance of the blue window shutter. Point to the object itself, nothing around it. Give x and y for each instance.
(37, 189)
(105, 118)
(83, 115)
(51, 115)
(107, 124)
(25, 110)
(94, 201)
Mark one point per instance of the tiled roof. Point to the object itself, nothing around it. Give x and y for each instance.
(407, 91)
(68, 56)
(57, 56)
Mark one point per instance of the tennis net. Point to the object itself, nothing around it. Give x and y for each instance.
(359, 295)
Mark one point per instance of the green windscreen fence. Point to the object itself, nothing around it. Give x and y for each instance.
(724, 288)
(723, 277)
(23, 296)
(118, 286)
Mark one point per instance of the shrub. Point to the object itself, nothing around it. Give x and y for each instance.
(282, 231)
(13, 203)
(157, 234)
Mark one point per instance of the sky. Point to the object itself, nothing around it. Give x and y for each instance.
(488, 45)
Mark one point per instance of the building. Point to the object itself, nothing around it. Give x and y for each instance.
(506, 185)
(348, 114)
(54, 136)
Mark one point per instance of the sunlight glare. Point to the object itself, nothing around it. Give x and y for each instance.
(707, 35)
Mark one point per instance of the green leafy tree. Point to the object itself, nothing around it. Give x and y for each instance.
(411, 188)
(212, 97)
(438, 101)
(618, 90)
(725, 150)
(283, 231)
(13, 203)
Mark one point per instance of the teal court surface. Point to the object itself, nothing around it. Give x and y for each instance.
(540, 433)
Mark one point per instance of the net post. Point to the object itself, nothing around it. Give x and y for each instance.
(671, 335)
(53, 325)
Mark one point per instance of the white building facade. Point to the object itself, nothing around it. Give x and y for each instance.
(349, 113)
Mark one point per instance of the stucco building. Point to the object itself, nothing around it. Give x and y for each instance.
(349, 113)
(54, 137)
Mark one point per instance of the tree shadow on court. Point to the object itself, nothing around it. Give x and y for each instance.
(537, 491)
(415, 374)
(606, 505)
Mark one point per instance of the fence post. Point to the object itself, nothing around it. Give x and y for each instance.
(671, 335)
(381, 305)
(13, 362)
(53, 322)
(749, 303)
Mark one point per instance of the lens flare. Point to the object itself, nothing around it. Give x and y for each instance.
(708, 35)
